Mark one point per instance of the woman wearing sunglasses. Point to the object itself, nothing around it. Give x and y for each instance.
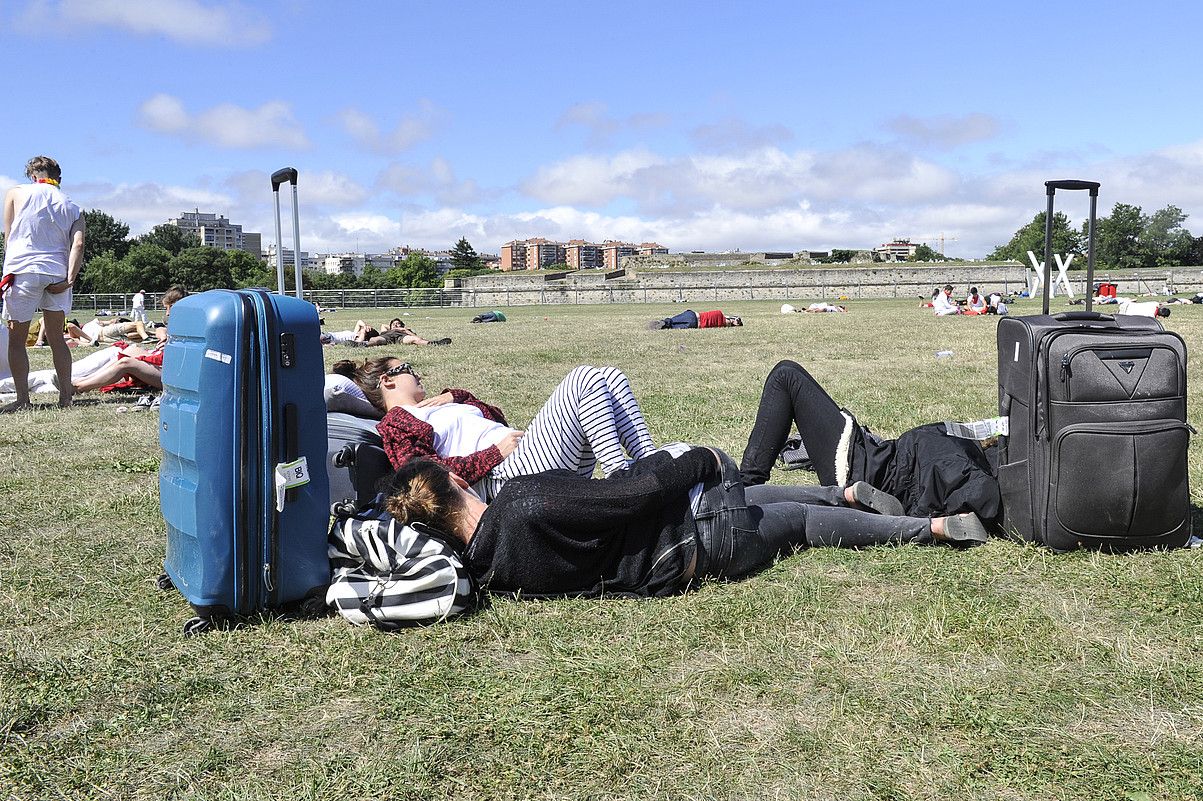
(591, 418)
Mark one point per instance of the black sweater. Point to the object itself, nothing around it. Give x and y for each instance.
(557, 533)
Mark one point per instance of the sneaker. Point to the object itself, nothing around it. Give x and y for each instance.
(443, 341)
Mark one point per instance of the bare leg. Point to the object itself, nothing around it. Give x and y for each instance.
(61, 354)
(414, 339)
(148, 374)
(18, 363)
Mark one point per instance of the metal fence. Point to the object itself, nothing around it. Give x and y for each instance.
(697, 290)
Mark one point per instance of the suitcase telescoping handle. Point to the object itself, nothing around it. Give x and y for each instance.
(1051, 188)
(1083, 316)
(288, 174)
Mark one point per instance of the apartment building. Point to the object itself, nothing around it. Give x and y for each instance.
(613, 253)
(342, 263)
(582, 255)
(652, 249)
(215, 231)
(513, 256)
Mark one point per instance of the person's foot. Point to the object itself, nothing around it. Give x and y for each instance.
(963, 529)
(866, 495)
(15, 406)
(443, 341)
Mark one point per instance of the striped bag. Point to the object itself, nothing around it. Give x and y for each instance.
(393, 576)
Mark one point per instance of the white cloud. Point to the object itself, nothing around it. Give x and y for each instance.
(763, 178)
(945, 131)
(187, 21)
(410, 130)
(437, 180)
(226, 125)
(737, 134)
(594, 117)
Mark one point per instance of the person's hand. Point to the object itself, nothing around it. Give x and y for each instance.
(437, 400)
(509, 442)
(59, 287)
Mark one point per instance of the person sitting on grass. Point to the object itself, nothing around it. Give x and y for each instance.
(592, 417)
(975, 303)
(943, 303)
(654, 528)
(930, 472)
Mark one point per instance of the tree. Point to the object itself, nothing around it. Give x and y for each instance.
(415, 270)
(1164, 242)
(1117, 237)
(171, 238)
(247, 270)
(200, 269)
(1031, 237)
(925, 253)
(104, 234)
(147, 268)
(464, 257)
(103, 273)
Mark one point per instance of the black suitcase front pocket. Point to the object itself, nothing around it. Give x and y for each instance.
(1120, 480)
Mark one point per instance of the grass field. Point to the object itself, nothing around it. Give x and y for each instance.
(1003, 672)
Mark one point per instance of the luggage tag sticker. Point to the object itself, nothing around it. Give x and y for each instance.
(288, 476)
(218, 356)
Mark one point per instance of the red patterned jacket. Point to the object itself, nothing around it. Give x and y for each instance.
(406, 437)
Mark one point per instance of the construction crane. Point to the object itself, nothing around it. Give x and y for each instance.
(942, 239)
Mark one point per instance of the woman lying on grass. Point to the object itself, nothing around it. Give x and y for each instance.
(591, 417)
(931, 472)
(649, 529)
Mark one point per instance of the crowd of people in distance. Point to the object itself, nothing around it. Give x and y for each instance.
(944, 304)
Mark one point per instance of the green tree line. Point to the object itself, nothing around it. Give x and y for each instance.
(166, 256)
(1125, 238)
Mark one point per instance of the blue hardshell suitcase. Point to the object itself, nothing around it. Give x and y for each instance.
(242, 412)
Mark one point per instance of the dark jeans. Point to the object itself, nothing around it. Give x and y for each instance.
(792, 397)
(741, 530)
(686, 319)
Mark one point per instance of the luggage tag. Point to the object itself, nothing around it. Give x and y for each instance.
(288, 476)
(979, 429)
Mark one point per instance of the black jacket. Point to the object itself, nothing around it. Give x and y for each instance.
(932, 473)
(558, 533)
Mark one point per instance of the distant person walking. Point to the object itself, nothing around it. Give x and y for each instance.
(138, 308)
(43, 254)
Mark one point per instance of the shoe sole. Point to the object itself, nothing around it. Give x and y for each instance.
(872, 498)
(965, 529)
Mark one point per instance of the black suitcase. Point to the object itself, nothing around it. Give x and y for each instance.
(1096, 404)
(355, 458)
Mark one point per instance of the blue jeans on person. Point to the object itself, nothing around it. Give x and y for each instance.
(686, 319)
(742, 529)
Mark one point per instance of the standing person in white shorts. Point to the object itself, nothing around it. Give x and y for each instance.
(43, 254)
(138, 310)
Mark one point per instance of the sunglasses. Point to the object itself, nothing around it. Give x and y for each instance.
(405, 368)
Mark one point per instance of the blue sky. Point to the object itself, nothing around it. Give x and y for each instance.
(704, 126)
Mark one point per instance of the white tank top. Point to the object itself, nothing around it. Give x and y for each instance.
(40, 239)
(459, 429)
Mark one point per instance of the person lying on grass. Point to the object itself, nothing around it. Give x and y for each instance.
(931, 472)
(592, 417)
(395, 333)
(650, 529)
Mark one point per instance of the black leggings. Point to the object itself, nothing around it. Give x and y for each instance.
(792, 397)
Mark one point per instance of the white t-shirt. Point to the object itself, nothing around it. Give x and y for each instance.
(1138, 307)
(139, 300)
(459, 429)
(40, 240)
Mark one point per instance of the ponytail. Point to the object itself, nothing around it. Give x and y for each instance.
(421, 490)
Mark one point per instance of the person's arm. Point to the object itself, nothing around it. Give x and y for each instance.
(75, 262)
(406, 437)
(10, 210)
(488, 410)
(583, 505)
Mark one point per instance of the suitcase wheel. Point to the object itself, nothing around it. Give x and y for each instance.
(164, 583)
(197, 626)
